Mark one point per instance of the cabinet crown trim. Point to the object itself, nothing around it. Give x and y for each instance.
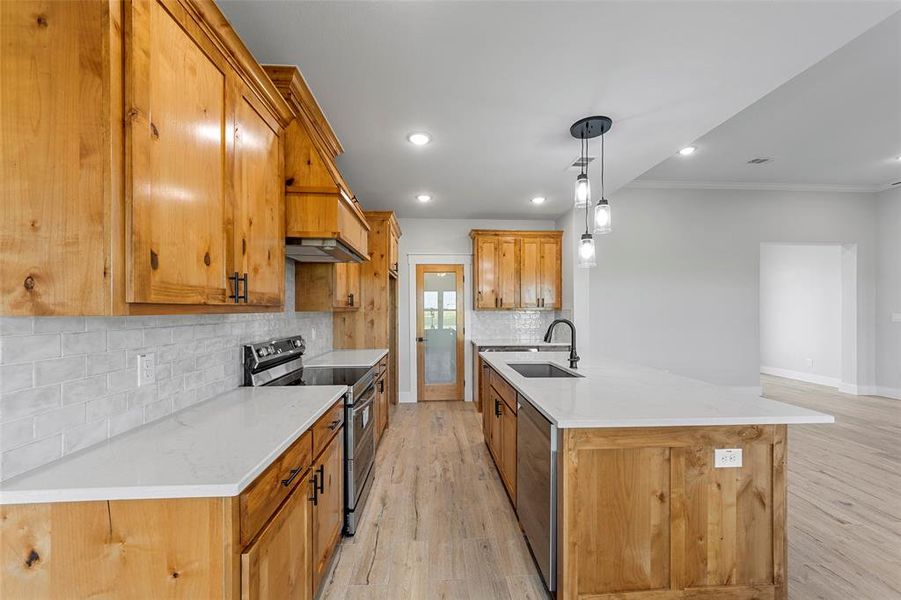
(543, 233)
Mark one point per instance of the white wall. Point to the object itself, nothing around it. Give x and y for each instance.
(450, 237)
(676, 286)
(801, 311)
(888, 294)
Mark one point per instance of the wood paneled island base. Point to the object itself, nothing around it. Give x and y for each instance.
(645, 515)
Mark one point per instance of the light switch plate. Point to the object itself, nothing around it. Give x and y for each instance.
(146, 369)
(727, 458)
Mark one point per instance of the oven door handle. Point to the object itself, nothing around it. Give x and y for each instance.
(362, 405)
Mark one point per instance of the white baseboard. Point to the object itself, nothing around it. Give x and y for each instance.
(802, 376)
(406, 398)
(894, 393)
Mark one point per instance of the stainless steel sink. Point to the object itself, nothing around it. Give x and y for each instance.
(541, 370)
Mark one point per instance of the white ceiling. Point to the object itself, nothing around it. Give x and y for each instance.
(838, 123)
(499, 83)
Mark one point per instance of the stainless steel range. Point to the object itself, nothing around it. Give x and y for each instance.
(280, 362)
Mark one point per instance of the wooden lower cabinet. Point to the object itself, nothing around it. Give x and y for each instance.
(279, 563)
(381, 406)
(184, 547)
(499, 425)
(328, 507)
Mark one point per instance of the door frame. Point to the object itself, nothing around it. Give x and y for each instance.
(459, 344)
(412, 359)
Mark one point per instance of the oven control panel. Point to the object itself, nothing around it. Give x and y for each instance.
(278, 348)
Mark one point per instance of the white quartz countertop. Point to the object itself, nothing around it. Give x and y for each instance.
(618, 394)
(213, 449)
(347, 358)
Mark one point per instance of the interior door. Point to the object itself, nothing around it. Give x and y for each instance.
(177, 148)
(439, 332)
(259, 236)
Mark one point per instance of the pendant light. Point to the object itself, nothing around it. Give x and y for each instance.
(584, 130)
(583, 185)
(602, 215)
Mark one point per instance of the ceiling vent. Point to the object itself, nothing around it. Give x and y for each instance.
(581, 162)
(759, 161)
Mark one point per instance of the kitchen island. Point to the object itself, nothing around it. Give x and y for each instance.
(659, 486)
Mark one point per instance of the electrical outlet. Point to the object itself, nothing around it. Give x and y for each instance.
(146, 369)
(727, 458)
(809, 363)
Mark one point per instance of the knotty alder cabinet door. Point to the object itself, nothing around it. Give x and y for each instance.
(279, 563)
(328, 509)
(177, 137)
(517, 269)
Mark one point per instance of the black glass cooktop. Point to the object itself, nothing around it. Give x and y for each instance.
(354, 378)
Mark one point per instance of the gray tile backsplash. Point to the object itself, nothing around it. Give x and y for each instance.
(67, 383)
(521, 325)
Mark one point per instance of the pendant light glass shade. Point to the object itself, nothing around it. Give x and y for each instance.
(586, 251)
(602, 217)
(583, 190)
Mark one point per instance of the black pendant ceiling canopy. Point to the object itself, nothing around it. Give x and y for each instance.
(591, 127)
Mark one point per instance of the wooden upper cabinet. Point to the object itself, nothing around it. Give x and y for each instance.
(55, 153)
(324, 287)
(517, 269)
(486, 275)
(258, 244)
(177, 140)
(392, 254)
(319, 202)
(155, 216)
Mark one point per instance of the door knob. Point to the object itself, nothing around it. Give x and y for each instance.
(420, 339)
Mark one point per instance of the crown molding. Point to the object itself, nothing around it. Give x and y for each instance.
(656, 184)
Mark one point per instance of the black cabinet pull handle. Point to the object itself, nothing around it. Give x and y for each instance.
(294, 473)
(237, 279)
(315, 498)
(320, 479)
(382, 386)
(350, 299)
(334, 424)
(497, 408)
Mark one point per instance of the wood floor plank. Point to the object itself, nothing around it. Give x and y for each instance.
(439, 523)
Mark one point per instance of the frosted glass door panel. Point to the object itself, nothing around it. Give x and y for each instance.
(439, 304)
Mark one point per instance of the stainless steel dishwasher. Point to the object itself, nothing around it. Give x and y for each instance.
(536, 486)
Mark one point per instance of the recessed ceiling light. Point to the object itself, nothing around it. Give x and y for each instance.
(538, 200)
(423, 197)
(419, 138)
(687, 150)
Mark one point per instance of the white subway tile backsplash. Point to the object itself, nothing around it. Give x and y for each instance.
(58, 324)
(77, 375)
(16, 433)
(525, 325)
(125, 339)
(16, 377)
(57, 420)
(30, 456)
(87, 342)
(99, 364)
(16, 325)
(84, 390)
(28, 348)
(29, 402)
(57, 370)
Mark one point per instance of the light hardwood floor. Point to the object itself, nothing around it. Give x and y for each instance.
(439, 525)
(844, 481)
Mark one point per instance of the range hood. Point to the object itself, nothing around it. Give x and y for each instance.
(321, 250)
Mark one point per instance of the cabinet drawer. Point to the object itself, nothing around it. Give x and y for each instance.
(503, 389)
(266, 493)
(327, 425)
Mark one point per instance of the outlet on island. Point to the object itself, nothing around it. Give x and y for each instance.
(727, 458)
